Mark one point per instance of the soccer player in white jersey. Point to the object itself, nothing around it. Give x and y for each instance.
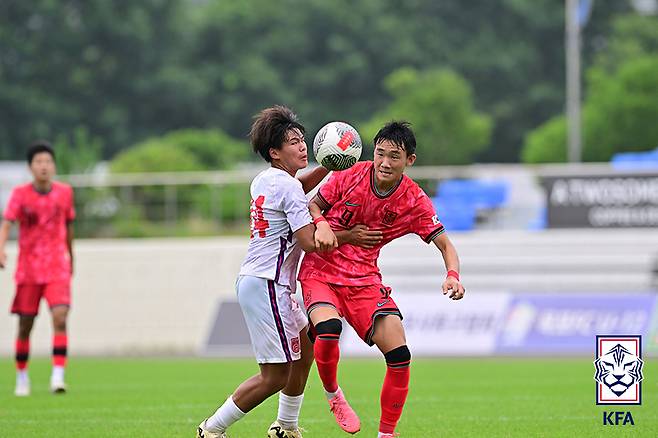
(281, 226)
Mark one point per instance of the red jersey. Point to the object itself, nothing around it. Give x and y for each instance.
(43, 218)
(352, 199)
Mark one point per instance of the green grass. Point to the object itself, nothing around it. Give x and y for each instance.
(448, 398)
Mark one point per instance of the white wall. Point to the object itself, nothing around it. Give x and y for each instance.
(136, 296)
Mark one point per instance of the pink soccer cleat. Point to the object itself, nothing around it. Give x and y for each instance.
(345, 415)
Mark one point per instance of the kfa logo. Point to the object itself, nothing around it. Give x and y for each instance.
(389, 217)
(618, 367)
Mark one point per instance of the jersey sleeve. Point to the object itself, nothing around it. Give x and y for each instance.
(426, 223)
(70, 211)
(13, 209)
(331, 191)
(295, 207)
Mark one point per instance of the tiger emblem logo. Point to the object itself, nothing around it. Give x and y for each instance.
(618, 369)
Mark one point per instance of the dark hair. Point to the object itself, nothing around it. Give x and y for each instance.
(37, 147)
(270, 128)
(399, 133)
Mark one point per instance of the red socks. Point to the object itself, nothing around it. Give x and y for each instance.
(327, 353)
(22, 353)
(395, 388)
(60, 343)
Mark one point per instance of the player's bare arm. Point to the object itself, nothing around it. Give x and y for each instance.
(360, 235)
(451, 286)
(318, 237)
(4, 235)
(69, 242)
(311, 179)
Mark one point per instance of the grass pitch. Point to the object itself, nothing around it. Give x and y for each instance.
(501, 397)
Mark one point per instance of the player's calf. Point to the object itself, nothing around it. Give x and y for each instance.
(395, 389)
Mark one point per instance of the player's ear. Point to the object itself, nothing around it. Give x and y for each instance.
(411, 159)
(274, 154)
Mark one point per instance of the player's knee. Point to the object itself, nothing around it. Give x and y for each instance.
(400, 356)
(328, 329)
(275, 380)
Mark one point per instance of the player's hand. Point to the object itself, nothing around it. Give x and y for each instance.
(361, 236)
(325, 239)
(3, 258)
(453, 288)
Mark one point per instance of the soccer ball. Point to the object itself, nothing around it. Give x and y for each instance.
(337, 146)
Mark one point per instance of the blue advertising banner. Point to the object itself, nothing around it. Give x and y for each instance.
(567, 323)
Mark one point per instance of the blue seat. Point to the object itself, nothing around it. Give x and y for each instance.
(635, 160)
(454, 213)
(482, 194)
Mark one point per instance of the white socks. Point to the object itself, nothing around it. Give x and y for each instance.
(331, 395)
(227, 414)
(58, 374)
(289, 407)
(22, 376)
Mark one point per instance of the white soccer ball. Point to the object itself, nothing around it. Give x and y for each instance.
(337, 146)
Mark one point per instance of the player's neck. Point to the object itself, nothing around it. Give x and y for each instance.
(42, 186)
(279, 165)
(384, 187)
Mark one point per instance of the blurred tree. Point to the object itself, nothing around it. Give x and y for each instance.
(619, 115)
(439, 104)
(619, 105)
(77, 153)
(187, 149)
(133, 70)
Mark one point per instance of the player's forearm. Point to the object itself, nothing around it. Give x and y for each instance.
(4, 233)
(69, 240)
(311, 179)
(343, 236)
(448, 251)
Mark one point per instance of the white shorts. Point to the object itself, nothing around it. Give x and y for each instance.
(273, 318)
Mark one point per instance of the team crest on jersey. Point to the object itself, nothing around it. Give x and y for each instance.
(389, 217)
(618, 367)
(294, 345)
(435, 220)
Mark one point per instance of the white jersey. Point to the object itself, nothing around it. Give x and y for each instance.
(278, 208)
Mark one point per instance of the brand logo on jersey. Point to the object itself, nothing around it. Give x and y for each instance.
(381, 303)
(618, 367)
(351, 204)
(294, 345)
(389, 217)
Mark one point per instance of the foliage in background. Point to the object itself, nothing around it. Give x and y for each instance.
(621, 100)
(78, 153)
(439, 105)
(128, 71)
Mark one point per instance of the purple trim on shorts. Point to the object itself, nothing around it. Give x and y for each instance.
(277, 320)
(283, 244)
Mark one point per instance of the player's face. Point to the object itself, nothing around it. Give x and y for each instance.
(42, 167)
(293, 154)
(390, 162)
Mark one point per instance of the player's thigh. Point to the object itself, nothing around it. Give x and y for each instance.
(27, 298)
(273, 319)
(367, 305)
(388, 333)
(320, 300)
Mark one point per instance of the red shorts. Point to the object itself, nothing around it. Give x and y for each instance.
(359, 305)
(28, 296)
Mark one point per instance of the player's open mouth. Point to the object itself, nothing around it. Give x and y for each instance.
(385, 173)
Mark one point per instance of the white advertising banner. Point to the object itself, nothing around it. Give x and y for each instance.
(435, 325)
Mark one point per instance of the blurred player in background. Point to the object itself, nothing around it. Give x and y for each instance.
(44, 211)
(346, 282)
(281, 226)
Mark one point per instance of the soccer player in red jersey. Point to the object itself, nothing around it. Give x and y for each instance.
(346, 282)
(44, 210)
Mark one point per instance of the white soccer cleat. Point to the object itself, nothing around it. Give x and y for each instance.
(201, 432)
(57, 385)
(22, 386)
(277, 431)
